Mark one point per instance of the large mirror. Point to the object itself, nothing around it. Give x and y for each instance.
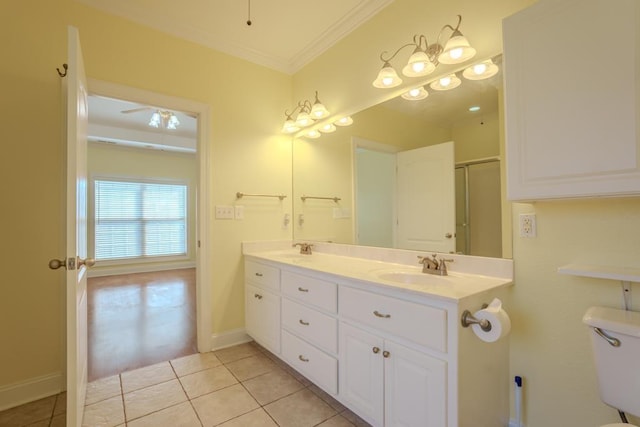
(419, 175)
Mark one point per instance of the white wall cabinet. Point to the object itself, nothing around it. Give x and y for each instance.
(572, 99)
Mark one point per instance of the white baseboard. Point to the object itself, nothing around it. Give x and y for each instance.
(229, 338)
(27, 391)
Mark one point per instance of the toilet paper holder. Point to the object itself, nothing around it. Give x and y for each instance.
(469, 319)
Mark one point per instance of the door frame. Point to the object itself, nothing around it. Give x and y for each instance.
(203, 212)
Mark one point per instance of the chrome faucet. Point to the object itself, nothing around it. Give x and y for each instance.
(433, 265)
(305, 248)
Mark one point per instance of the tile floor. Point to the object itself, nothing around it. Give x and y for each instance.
(241, 386)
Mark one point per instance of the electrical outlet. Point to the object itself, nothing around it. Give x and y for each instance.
(224, 212)
(528, 225)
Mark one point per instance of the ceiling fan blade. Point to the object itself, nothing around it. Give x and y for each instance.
(135, 110)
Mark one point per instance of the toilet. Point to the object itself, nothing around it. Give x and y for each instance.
(615, 339)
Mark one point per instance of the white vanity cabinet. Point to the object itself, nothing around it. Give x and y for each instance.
(262, 304)
(570, 120)
(385, 382)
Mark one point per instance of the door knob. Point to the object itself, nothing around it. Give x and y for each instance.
(55, 264)
(88, 262)
(448, 235)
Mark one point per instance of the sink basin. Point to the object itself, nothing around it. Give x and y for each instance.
(412, 277)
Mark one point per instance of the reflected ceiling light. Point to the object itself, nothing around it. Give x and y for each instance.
(327, 128)
(416, 94)
(446, 83)
(344, 121)
(426, 57)
(313, 133)
(165, 119)
(474, 108)
(481, 70)
(307, 114)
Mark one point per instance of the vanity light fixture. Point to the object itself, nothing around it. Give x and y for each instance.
(327, 128)
(313, 133)
(426, 57)
(480, 71)
(415, 94)
(446, 83)
(307, 114)
(165, 119)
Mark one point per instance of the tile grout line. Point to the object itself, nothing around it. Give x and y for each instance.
(185, 392)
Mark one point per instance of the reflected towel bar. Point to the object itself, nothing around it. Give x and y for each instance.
(240, 195)
(335, 199)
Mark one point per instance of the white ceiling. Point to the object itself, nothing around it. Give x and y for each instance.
(284, 34)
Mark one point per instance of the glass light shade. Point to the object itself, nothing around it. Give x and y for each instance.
(173, 122)
(415, 94)
(303, 119)
(318, 111)
(456, 50)
(290, 126)
(345, 121)
(155, 120)
(328, 128)
(481, 70)
(446, 83)
(387, 77)
(418, 65)
(313, 133)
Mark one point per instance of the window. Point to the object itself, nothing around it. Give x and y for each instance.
(139, 219)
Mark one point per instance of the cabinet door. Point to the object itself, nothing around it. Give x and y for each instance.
(415, 388)
(262, 317)
(361, 373)
(571, 120)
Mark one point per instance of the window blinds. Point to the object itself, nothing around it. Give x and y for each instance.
(139, 219)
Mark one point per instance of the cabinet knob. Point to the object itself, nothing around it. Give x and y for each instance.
(376, 350)
(259, 274)
(303, 289)
(302, 322)
(378, 314)
(302, 358)
(257, 296)
(386, 354)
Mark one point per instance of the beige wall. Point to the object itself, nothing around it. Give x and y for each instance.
(247, 153)
(110, 161)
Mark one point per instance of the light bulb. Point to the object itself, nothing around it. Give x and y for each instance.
(480, 68)
(445, 81)
(456, 53)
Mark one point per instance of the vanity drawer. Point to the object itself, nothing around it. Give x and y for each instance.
(319, 367)
(424, 325)
(311, 325)
(262, 275)
(312, 291)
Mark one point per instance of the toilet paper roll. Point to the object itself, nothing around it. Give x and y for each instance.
(500, 322)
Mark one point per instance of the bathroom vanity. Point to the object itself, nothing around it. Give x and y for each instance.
(383, 338)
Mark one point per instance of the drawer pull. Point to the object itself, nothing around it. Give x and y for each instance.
(257, 296)
(302, 358)
(384, 316)
(259, 274)
(303, 289)
(376, 350)
(302, 322)
(386, 354)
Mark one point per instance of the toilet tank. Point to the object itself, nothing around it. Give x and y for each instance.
(618, 368)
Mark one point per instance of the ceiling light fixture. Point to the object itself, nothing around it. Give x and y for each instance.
(307, 114)
(165, 119)
(426, 57)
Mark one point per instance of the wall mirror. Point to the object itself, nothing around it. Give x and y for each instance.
(349, 186)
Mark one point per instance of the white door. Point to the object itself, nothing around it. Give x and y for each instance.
(415, 388)
(77, 118)
(426, 199)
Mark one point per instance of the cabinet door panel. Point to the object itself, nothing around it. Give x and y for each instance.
(262, 317)
(571, 127)
(415, 388)
(361, 373)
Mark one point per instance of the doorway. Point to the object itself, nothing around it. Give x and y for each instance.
(174, 283)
